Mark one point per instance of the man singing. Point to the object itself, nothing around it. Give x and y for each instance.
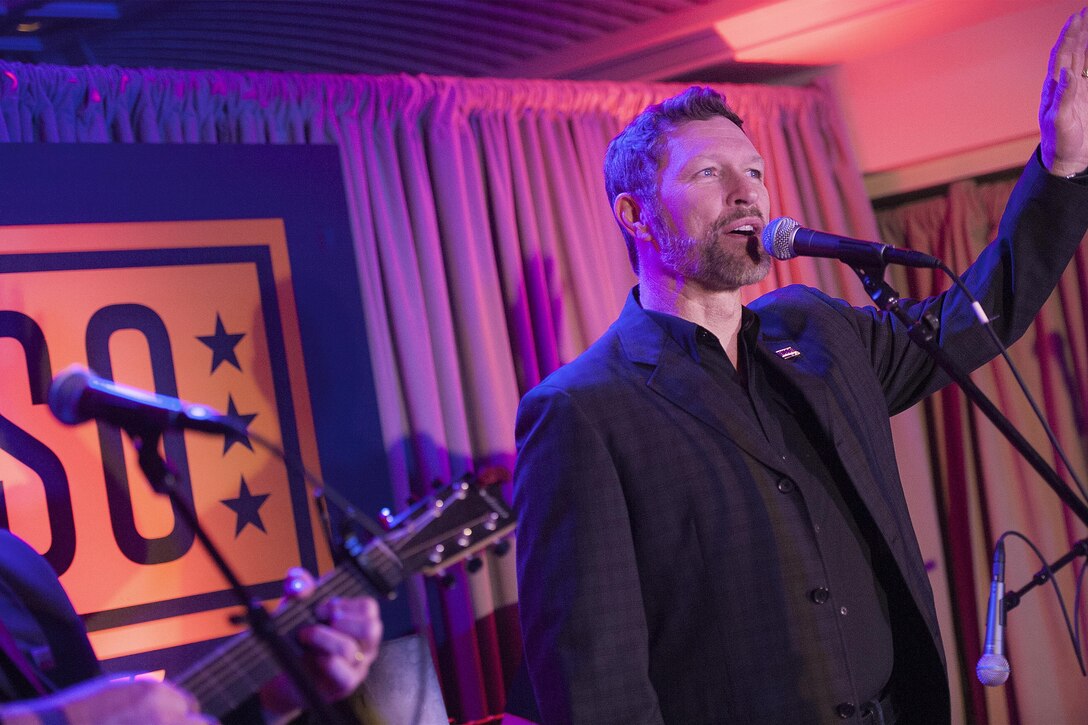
(712, 531)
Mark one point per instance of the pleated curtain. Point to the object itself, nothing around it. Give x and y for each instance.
(487, 257)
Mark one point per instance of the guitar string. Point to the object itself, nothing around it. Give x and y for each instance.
(250, 646)
(212, 677)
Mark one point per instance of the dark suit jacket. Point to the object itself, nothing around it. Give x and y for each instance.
(651, 527)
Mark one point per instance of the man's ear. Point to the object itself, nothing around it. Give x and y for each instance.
(629, 214)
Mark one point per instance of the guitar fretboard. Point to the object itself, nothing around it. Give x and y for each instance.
(235, 670)
(447, 527)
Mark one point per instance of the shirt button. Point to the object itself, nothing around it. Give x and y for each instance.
(842, 611)
(785, 485)
(819, 595)
(845, 710)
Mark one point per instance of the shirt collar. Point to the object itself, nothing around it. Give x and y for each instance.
(688, 335)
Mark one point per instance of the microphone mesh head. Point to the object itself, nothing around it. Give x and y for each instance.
(66, 392)
(777, 237)
(992, 670)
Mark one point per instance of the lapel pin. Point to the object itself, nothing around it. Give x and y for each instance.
(787, 353)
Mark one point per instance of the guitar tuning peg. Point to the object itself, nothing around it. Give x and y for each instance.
(385, 518)
(473, 564)
(501, 548)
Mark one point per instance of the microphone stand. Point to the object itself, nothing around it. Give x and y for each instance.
(923, 332)
(1012, 599)
(164, 481)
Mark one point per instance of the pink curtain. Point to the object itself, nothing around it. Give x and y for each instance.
(486, 250)
(984, 486)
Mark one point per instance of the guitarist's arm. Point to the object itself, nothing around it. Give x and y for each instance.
(338, 654)
(445, 528)
(102, 701)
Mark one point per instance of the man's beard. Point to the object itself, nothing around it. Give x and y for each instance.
(717, 260)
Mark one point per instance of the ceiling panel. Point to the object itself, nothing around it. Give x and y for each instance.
(782, 41)
(440, 37)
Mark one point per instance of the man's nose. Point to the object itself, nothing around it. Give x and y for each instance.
(742, 190)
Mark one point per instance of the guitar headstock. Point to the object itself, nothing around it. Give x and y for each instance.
(452, 524)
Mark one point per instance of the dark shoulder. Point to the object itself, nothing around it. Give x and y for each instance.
(788, 312)
(600, 366)
(794, 298)
(37, 611)
(20, 562)
(31, 580)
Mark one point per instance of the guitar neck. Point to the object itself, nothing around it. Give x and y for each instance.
(448, 527)
(236, 669)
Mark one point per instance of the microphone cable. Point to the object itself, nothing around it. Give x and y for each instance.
(1072, 626)
(982, 317)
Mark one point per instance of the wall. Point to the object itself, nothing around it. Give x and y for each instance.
(950, 106)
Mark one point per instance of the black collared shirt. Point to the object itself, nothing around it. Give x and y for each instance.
(843, 531)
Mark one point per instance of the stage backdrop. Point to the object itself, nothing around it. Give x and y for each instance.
(218, 274)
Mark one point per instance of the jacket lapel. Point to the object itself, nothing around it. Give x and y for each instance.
(672, 374)
(805, 373)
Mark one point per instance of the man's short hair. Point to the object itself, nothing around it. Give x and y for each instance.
(633, 156)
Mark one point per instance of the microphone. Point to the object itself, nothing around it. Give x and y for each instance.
(785, 238)
(992, 668)
(77, 395)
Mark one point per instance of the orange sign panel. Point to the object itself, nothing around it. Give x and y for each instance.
(202, 311)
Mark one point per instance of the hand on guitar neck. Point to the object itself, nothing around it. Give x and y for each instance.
(338, 637)
(338, 652)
